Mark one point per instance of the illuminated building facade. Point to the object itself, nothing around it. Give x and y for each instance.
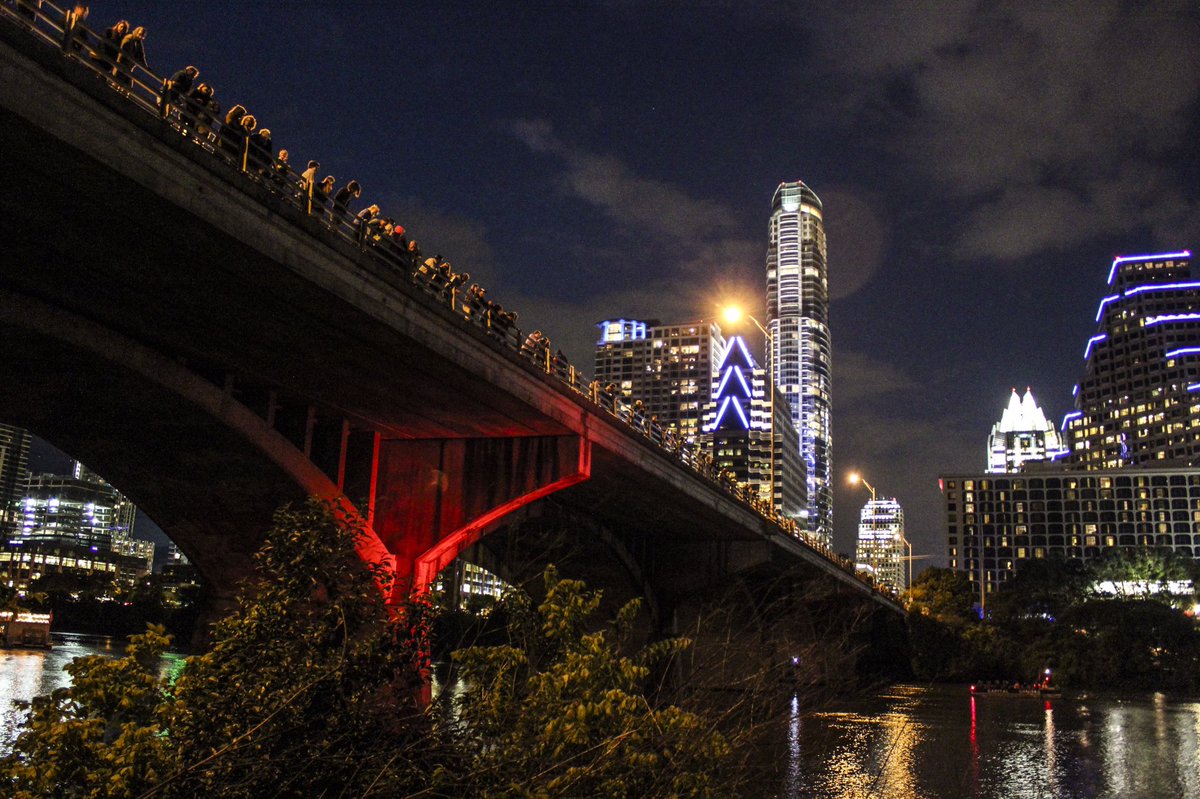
(14, 464)
(1022, 434)
(74, 524)
(1126, 476)
(881, 542)
(798, 321)
(994, 521)
(1138, 402)
(738, 432)
(668, 367)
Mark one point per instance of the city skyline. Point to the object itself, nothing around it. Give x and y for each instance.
(590, 162)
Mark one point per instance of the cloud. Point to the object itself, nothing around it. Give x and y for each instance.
(860, 379)
(858, 238)
(1029, 114)
(646, 205)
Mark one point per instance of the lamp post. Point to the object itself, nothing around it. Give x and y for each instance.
(733, 315)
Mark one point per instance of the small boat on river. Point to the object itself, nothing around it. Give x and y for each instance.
(1040, 688)
(22, 628)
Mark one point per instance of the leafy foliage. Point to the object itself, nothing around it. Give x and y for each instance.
(561, 712)
(308, 691)
(1051, 614)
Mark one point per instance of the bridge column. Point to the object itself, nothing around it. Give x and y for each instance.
(436, 497)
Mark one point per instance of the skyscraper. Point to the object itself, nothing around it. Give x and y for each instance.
(881, 542)
(1138, 403)
(1127, 475)
(738, 432)
(798, 320)
(668, 367)
(1023, 434)
(14, 463)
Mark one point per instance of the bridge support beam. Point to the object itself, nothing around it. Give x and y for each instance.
(436, 497)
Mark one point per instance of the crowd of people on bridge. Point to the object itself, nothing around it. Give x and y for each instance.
(191, 106)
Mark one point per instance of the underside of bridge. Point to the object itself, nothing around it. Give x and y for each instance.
(215, 353)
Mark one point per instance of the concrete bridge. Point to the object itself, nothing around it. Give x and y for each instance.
(190, 330)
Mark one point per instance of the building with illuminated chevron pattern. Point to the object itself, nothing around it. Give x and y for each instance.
(738, 432)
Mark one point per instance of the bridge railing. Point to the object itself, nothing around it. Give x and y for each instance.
(252, 160)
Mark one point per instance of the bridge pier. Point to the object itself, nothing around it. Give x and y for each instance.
(436, 497)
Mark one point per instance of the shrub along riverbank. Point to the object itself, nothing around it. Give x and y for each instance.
(1111, 623)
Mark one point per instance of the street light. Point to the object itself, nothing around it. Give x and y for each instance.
(732, 315)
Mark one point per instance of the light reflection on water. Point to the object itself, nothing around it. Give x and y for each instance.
(915, 742)
(26, 673)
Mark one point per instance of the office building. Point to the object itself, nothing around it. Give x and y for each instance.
(14, 465)
(1138, 402)
(798, 321)
(75, 524)
(668, 367)
(1126, 475)
(880, 549)
(1022, 434)
(738, 433)
(994, 521)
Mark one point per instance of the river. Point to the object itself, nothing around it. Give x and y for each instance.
(905, 742)
(937, 742)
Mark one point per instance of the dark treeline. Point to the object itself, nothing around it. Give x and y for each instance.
(98, 605)
(1072, 617)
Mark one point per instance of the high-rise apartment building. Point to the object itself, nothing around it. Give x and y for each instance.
(1023, 434)
(881, 542)
(1138, 402)
(798, 321)
(1127, 475)
(14, 465)
(740, 435)
(668, 367)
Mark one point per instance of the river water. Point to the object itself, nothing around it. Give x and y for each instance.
(937, 742)
(906, 742)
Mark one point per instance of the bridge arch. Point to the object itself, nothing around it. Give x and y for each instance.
(205, 467)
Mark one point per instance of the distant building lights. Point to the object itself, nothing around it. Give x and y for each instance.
(1172, 317)
(1183, 351)
(1069, 417)
(1103, 302)
(1162, 287)
(1124, 259)
(1194, 387)
(1087, 351)
(1075, 390)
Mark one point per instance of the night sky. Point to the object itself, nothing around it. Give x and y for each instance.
(979, 163)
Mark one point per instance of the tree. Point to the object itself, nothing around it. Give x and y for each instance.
(560, 712)
(307, 691)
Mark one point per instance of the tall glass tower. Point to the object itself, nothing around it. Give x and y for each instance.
(798, 320)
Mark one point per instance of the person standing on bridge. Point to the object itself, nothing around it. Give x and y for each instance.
(176, 91)
(74, 34)
(229, 138)
(110, 47)
(323, 195)
(341, 200)
(133, 54)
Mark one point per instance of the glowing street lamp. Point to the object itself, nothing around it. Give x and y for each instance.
(732, 315)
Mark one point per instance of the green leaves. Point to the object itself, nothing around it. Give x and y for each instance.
(308, 690)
